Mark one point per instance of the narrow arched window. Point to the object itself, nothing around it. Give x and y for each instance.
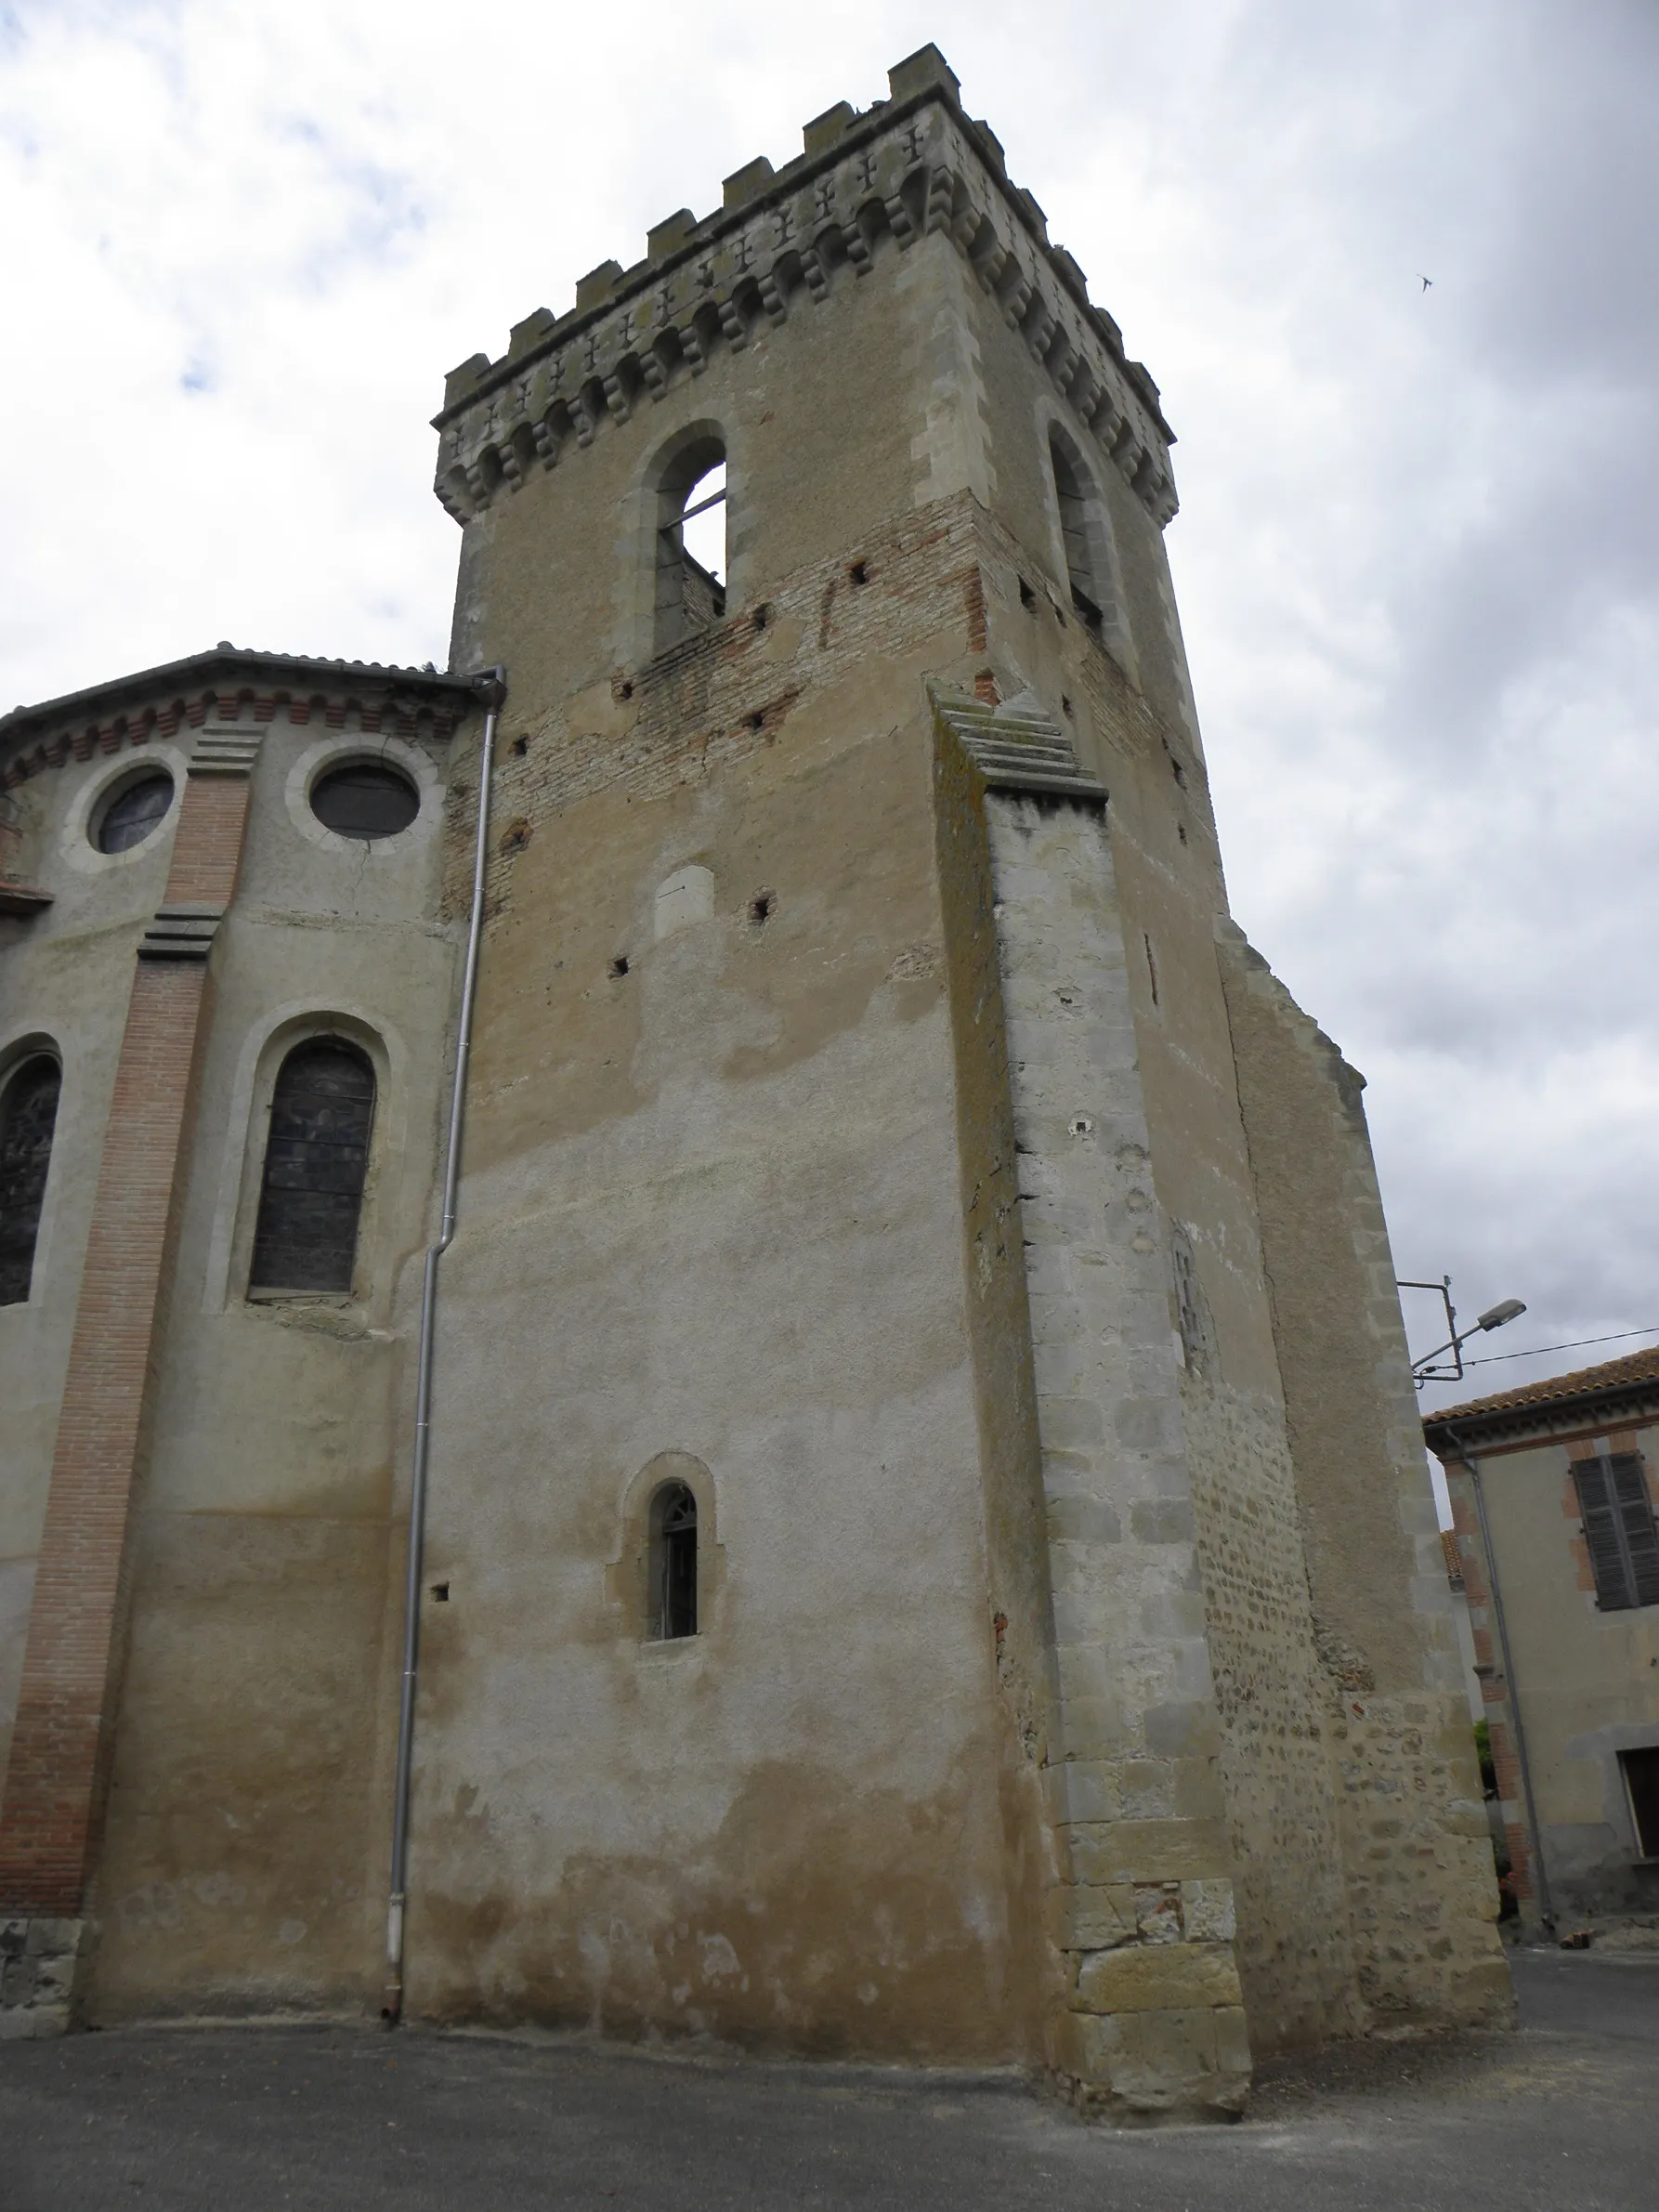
(674, 1562)
(28, 1115)
(316, 1158)
(1071, 497)
(691, 543)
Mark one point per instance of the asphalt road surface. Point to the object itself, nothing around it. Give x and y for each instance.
(253, 2119)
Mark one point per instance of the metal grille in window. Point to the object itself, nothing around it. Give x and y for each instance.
(28, 1115)
(133, 813)
(1619, 1530)
(315, 1160)
(365, 801)
(674, 1562)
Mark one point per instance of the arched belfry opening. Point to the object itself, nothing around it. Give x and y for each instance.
(673, 1567)
(1078, 533)
(690, 541)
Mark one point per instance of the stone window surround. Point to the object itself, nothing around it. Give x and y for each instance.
(627, 1578)
(231, 1242)
(75, 838)
(344, 751)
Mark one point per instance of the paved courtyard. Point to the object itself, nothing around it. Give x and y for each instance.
(250, 2119)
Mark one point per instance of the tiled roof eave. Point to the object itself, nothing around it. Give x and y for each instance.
(1542, 1418)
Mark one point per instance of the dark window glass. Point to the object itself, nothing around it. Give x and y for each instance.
(1642, 1778)
(674, 1562)
(365, 801)
(133, 813)
(1618, 1530)
(28, 1114)
(315, 1160)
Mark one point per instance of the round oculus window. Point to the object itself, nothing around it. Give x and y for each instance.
(134, 812)
(366, 800)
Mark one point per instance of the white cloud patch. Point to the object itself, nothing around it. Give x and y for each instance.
(1417, 558)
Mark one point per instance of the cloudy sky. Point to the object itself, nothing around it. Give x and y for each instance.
(1417, 557)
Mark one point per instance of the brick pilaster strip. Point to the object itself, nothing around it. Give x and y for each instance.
(56, 1779)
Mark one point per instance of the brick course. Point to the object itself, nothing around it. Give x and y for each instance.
(58, 1770)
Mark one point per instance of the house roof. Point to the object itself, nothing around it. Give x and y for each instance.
(1614, 1383)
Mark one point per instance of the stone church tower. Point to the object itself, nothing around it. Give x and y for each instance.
(927, 1549)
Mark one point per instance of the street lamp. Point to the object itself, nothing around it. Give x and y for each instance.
(1429, 1368)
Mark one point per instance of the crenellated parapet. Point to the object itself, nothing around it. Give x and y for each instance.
(785, 242)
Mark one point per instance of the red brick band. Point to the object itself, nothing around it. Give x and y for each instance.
(58, 1771)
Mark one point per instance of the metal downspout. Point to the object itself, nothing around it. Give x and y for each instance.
(492, 687)
(1511, 1689)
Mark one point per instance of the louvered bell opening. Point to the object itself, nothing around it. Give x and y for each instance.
(1619, 1531)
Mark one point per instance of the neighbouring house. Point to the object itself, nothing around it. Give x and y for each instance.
(1553, 1495)
(1462, 1626)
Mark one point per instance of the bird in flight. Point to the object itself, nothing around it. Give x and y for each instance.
(1425, 281)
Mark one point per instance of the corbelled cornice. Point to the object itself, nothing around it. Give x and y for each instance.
(786, 239)
(229, 685)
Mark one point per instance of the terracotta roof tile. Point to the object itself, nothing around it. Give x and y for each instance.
(1613, 1374)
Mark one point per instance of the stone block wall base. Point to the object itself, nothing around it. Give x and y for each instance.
(40, 1966)
(1138, 2068)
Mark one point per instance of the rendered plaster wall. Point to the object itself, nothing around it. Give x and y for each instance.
(1388, 1694)
(712, 1209)
(1589, 1680)
(65, 975)
(245, 1826)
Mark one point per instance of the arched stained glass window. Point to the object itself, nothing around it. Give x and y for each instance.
(28, 1115)
(674, 1562)
(316, 1158)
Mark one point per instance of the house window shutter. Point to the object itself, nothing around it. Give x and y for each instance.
(1619, 1530)
(1602, 1533)
(1635, 1510)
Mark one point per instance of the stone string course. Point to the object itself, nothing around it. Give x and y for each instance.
(910, 168)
